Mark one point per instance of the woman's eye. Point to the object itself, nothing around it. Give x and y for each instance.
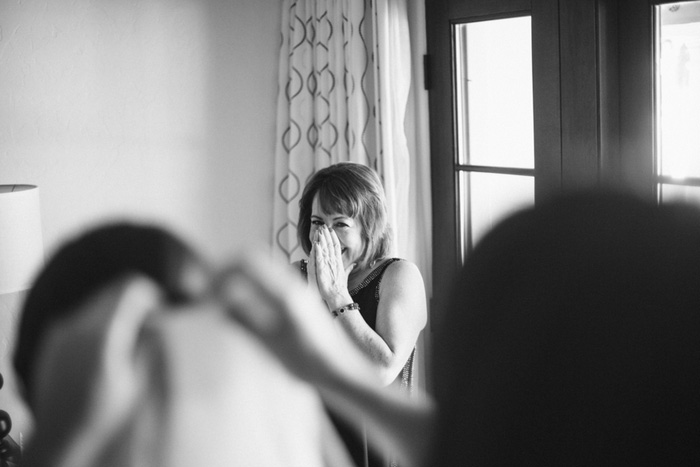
(317, 223)
(341, 225)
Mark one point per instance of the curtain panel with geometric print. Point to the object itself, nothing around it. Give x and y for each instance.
(344, 76)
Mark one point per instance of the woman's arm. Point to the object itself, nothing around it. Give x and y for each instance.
(401, 316)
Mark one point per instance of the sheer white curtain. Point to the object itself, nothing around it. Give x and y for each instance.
(418, 246)
(392, 81)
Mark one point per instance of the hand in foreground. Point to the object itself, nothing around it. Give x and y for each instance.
(272, 302)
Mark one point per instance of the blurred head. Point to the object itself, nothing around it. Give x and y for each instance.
(573, 339)
(85, 264)
(356, 192)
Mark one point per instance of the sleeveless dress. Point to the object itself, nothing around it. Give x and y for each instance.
(366, 294)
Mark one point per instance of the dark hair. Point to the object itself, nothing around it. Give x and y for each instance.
(573, 338)
(90, 261)
(353, 190)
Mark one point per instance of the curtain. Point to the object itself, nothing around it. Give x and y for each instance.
(419, 244)
(393, 80)
(325, 103)
(344, 83)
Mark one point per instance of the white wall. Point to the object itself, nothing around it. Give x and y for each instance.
(161, 110)
(150, 109)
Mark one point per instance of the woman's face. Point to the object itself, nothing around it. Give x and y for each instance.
(348, 230)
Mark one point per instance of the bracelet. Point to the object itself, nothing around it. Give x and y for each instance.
(343, 309)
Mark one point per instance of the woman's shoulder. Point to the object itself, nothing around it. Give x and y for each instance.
(403, 283)
(398, 263)
(400, 269)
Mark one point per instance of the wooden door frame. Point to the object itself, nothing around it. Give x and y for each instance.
(440, 15)
(578, 55)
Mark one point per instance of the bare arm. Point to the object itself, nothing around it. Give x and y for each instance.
(401, 315)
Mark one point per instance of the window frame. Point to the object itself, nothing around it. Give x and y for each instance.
(461, 168)
(441, 15)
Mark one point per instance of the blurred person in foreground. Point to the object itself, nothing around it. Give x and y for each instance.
(127, 360)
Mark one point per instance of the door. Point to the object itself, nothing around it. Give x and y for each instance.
(495, 119)
(575, 120)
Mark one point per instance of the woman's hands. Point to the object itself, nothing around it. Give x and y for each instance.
(326, 269)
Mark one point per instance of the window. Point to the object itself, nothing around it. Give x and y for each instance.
(677, 101)
(495, 119)
(492, 63)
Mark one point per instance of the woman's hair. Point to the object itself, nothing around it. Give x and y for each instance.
(353, 190)
(90, 261)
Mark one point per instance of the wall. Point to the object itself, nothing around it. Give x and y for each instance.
(160, 110)
(155, 109)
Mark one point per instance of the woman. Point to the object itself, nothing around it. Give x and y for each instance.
(378, 300)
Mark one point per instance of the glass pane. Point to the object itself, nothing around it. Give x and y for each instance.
(486, 199)
(678, 89)
(675, 193)
(493, 87)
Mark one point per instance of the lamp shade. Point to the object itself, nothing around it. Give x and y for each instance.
(21, 245)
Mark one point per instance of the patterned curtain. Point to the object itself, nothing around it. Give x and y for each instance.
(344, 76)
